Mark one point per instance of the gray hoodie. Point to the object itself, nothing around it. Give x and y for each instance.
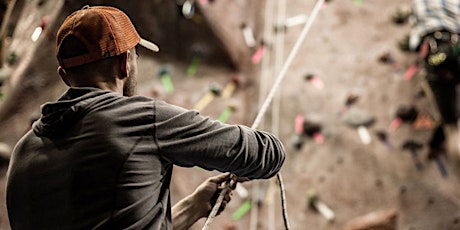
(96, 159)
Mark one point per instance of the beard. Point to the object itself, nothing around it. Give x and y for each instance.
(130, 87)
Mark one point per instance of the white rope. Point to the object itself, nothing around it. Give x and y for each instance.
(216, 207)
(279, 59)
(286, 65)
(283, 202)
(263, 83)
(264, 108)
(266, 60)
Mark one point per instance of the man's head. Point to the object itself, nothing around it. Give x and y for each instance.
(96, 43)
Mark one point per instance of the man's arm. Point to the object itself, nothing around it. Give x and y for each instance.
(186, 139)
(199, 204)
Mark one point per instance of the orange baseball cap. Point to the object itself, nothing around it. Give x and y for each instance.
(103, 31)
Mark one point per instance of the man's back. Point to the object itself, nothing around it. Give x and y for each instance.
(88, 164)
(98, 159)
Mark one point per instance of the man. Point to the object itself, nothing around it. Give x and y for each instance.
(101, 158)
(435, 36)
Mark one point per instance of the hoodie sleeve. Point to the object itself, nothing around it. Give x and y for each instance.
(188, 139)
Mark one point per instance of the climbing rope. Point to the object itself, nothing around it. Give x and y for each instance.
(263, 110)
(279, 59)
(263, 86)
(288, 62)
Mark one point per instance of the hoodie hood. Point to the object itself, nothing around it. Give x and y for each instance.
(57, 117)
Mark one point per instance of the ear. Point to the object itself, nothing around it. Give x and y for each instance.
(124, 64)
(63, 76)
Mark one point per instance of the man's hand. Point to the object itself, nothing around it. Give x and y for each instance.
(207, 193)
(200, 203)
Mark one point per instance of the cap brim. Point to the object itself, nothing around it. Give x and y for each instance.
(149, 45)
